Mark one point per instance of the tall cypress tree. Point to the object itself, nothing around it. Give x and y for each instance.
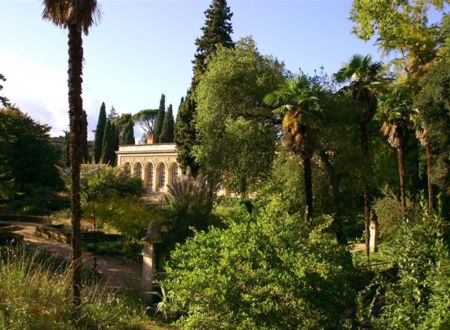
(128, 135)
(167, 130)
(216, 31)
(186, 135)
(99, 132)
(160, 118)
(108, 144)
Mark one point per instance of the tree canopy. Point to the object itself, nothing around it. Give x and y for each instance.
(27, 157)
(236, 136)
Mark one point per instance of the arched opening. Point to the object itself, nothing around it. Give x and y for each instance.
(137, 170)
(161, 179)
(127, 168)
(149, 177)
(173, 172)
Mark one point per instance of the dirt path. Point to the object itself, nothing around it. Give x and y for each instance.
(118, 273)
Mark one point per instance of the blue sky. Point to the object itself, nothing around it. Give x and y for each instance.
(141, 49)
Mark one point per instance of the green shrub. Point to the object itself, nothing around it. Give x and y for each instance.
(36, 297)
(272, 272)
(389, 211)
(419, 296)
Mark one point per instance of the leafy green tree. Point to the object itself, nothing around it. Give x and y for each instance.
(217, 30)
(364, 77)
(395, 111)
(111, 196)
(100, 130)
(235, 129)
(77, 16)
(297, 102)
(160, 119)
(272, 272)
(27, 157)
(433, 100)
(404, 28)
(167, 134)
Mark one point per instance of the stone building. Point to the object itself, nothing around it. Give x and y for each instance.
(156, 164)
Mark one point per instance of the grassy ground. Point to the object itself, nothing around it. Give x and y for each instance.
(35, 293)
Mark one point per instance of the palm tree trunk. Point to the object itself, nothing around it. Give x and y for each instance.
(430, 184)
(366, 171)
(75, 114)
(307, 176)
(334, 188)
(401, 172)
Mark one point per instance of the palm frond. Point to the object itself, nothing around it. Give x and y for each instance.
(82, 13)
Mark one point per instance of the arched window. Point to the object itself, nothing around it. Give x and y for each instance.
(150, 177)
(174, 172)
(127, 168)
(162, 176)
(138, 170)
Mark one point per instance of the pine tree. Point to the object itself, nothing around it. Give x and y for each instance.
(216, 31)
(128, 135)
(160, 118)
(99, 132)
(112, 114)
(167, 129)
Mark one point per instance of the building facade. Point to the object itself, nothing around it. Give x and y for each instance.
(155, 164)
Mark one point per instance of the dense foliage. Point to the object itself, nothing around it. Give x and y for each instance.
(27, 157)
(235, 133)
(217, 31)
(418, 295)
(267, 272)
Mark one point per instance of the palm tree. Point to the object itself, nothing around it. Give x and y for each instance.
(77, 16)
(395, 110)
(297, 101)
(364, 76)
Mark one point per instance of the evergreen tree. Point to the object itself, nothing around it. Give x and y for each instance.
(160, 118)
(108, 144)
(216, 31)
(84, 136)
(112, 114)
(128, 135)
(115, 143)
(167, 134)
(99, 132)
(186, 135)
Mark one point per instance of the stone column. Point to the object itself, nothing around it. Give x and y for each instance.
(148, 264)
(373, 230)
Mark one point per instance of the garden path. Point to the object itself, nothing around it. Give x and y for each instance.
(118, 272)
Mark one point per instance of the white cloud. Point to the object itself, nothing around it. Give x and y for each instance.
(41, 92)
